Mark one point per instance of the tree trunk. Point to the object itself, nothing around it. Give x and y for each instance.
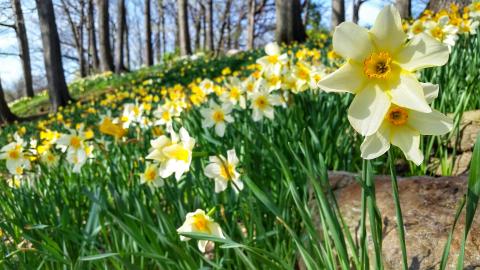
(148, 35)
(405, 8)
(198, 27)
(5, 114)
(437, 5)
(209, 32)
(226, 15)
(57, 87)
(23, 45)
(356, 10)
(306, 14)
(289, 25)
(77, 32)
(184, 35)
(127, 47)
(338, 12)
(120, 44)
(106, 59)
(92, 39)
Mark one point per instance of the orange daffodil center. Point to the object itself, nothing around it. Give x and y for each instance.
(378, 65)
(397, 116)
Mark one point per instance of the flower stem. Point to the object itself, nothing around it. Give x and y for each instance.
(398, 210)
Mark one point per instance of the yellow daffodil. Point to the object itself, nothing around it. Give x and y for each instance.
(274, 60)
(15, 157)
(262, 102)
(151, 176)
(381, 68)
(217, 116)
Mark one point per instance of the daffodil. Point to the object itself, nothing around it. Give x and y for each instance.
(262, 102)
(235, 93)
(380, 69)
(402, 127)
(151, 176)
(274, 60)
(207, 86)
(217, 116)
(164, 115)
(443, 31)
(15, 157)
(49, 158)
(174, 154)
(199, 222)
(108, 127)
(223, 170)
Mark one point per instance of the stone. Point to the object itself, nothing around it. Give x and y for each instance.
(469, 129)
(428, 205)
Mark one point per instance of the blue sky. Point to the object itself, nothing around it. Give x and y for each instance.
(10, 66)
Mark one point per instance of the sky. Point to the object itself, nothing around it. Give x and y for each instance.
(10, 66)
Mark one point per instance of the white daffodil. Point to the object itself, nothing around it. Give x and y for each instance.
(272, 81)
(13, 153)
(151, 176)
(468, 27)
(302, 72)
(416, 28)
(235, 93)
(71, 142)
(217, 116)
(474, 8)
(262, 103)
(402, 127)
(249, 85)
(274, 60)
(199, 222)
(132, 113)
(77, 158)
(316, 75)
(207, 86)
(380, 68)
(78, 150)
(49, 158)
(164, 115)
(443, 31)
(174, 154)
(222, 171)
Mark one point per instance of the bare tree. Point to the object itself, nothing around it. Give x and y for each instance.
(223, 26)
(209, 22)
(120, 44)
(338, 12)
(23, 46)
(77, 30)
(160, 36)
(106, 59)
(289, 25)
(184, 35)
(405, 8)
(356, 9)
(197, 16)
(57, 87)
(6, 116)
(148, 34)
(253, 10)
(437, 5)
(92, 39)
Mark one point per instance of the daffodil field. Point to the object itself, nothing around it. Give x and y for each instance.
(222, 163)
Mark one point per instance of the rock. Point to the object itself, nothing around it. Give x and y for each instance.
(460, 166)
(428, 206)
(469, 129)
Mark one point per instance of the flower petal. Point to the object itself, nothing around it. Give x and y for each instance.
(408, 140)
(408, 93)
(387, 31)
(434, 123)
(376, 144)
(368, 110)
(272, 48)
(422, 52)
(352, 42)
(348, 78)
(430, 91)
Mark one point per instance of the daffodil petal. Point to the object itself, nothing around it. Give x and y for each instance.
(408, 93)
(272, 49)
(434, 123)
(368, 110)
(352, 41)
(376, 144)
(348, 78)
(408, 140)
(422, 52)
(387, 30)
(430, 91)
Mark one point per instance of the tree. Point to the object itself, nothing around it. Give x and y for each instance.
(6, 116)
(92, 39)
(23, 45)
(223, 26)
(209, 22)
(356, 9)
(148, 34)
(338, 12)
(77, 30)
(405, 8)
(121, 31)
(106, 59)
(184, 35)
(437, 5)
(52, 55)
(289, 25)
(253, 10)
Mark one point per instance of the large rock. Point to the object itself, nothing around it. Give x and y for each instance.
(469, 129)
(428, 206)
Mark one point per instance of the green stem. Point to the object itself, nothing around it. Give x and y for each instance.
(374, 215)
(363, 229)
(398, 210)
